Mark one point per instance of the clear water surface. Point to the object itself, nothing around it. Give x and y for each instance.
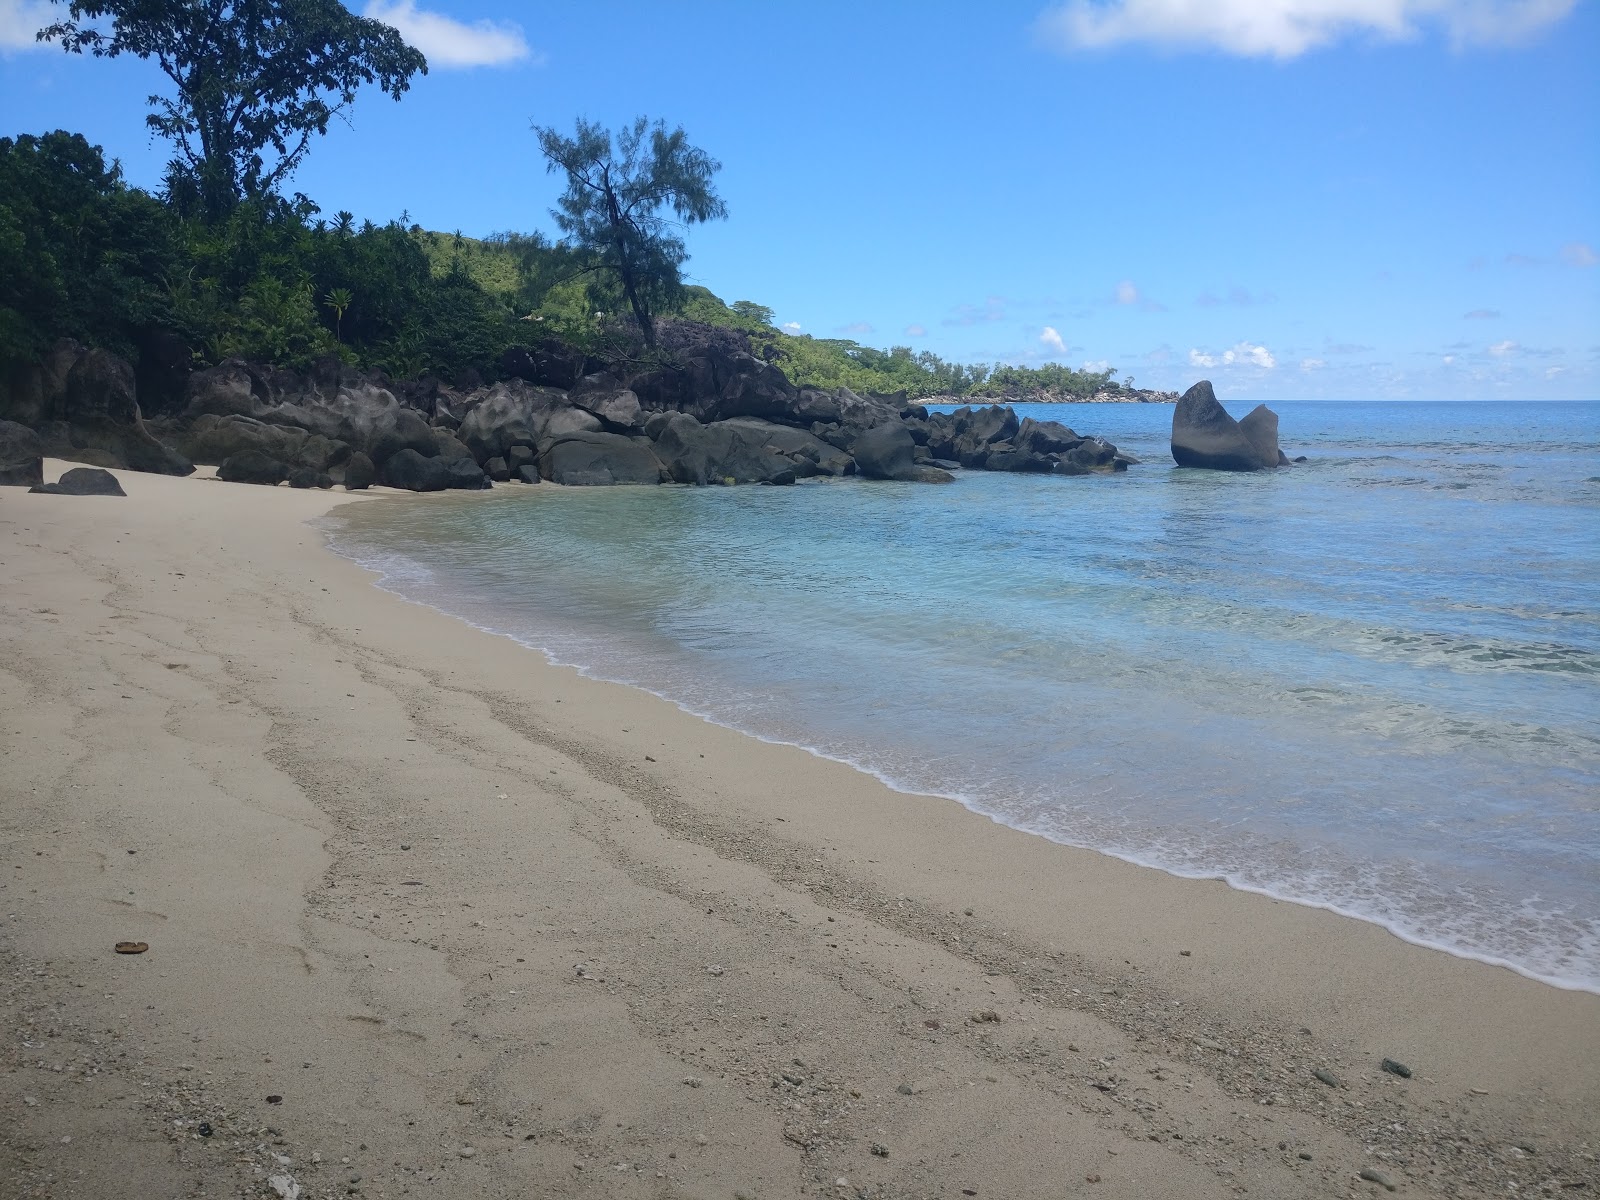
(1368, 683)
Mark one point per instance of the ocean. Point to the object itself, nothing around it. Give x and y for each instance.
(1370, 683)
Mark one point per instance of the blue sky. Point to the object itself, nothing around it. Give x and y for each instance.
(1295, 198)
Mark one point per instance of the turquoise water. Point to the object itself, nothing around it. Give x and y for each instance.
(1368, 683)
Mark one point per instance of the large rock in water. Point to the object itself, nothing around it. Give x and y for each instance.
(885, 452)
(21, 456)
(598, 459)
(1204, 435)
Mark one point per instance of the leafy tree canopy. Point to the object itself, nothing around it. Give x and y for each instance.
(613, 208)
(254, 80)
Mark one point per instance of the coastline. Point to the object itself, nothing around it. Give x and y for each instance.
(266, 730)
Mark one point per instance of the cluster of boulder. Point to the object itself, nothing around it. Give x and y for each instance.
(711, 412)
(716, 414)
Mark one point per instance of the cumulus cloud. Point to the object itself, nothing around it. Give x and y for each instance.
(1482, 314)
(1051, 340)
(1244, 354)
(916, 331)
(1095, 365)
(1578, 254)
(1311, 364)
(791, 326)
(20, 20)
(1288, 28)
(446, 42)
(1501, 349)
(856, 327)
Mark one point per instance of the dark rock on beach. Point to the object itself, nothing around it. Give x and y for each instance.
(83, 481)
(21, 456)
(358, 473)
(253, 466)
(409, 470)
(1204, 435)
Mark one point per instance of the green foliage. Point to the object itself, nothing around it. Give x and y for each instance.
(612, 208)
(81, 254)
(839, 362)
(85, 256)
(253, 80)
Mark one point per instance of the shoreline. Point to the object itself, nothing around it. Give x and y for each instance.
(1148, 1027)
(395, 576)
(968, 803)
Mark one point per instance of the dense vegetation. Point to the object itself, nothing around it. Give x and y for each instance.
(84, 255)
(223, 265)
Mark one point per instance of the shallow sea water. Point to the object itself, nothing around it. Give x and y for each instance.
(1370, 683)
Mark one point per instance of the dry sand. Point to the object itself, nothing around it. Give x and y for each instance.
(490, 929)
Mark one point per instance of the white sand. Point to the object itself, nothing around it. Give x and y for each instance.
(371, 849)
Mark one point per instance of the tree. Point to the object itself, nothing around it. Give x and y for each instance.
(612, 208)
(81, 254)
(255, 80)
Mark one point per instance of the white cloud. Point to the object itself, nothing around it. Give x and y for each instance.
(1244, 354)
(1501, 349)
(1288, 28)
(1052, 340)
(856, 327)
(1127, 293)
(1578, 254)
(1095, 366)
(1311, 364)
(791, 326)
(1449, 359)
(916, 331)
(447, 42)
(20, 20)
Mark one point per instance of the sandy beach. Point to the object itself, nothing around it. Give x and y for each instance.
(428, 916)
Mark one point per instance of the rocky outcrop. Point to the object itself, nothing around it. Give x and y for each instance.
(412, 472)
(1204, 435)
(82, 405)
(594, 459)
(709, 411)
(516, 414)
(82, 481)
(741, 450)
(212, 439)
(21, 456)
(885, 452)
(253, 466)
(357, 474)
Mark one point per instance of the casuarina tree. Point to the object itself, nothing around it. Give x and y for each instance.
(627, 198)
(254, 80)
